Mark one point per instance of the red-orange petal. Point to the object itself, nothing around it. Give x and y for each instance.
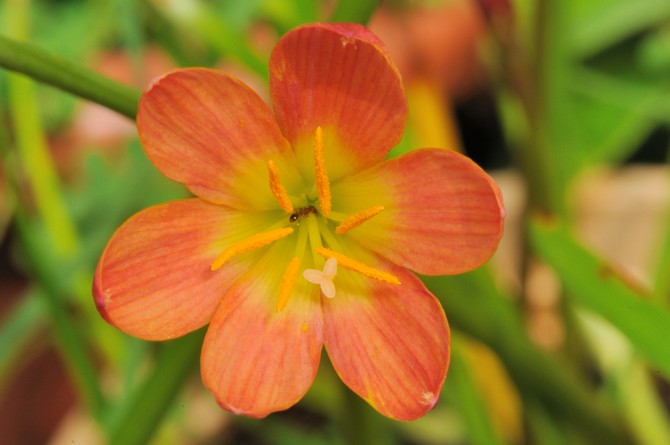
(208, 130)
(442, 213)
(154, 280)
(256, 359)
(389, 343)
(339, 77)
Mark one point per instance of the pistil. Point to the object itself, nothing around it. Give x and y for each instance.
(321, 176)
(253, 242)
(323, 278)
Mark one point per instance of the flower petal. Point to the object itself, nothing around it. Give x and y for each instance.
(154, 280)
(208, 130)
(256, 360)
(389, 344)
(442, 213)
(339, 77)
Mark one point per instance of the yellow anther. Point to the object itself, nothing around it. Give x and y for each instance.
(251, 243)
(357, 219)
(278, 189)
(322, 182)
(348, 263)
(287, 283)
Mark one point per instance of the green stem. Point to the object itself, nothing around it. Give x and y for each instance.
(467, 397)
(360, 424)
(69, 341)
(475, 307)
(37, 165)
(176, 360)
(36, 161)
(18, 328)
(34, 62)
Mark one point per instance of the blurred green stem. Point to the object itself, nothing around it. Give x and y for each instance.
(468, 398)
(535, 160)
(34, 62)
(131, 29)
(475, 306)
(175, 361)
(68, 339)
(19, 327)
(36, 161)
(361, 424)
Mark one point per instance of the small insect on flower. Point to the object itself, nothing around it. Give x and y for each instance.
(299, 213)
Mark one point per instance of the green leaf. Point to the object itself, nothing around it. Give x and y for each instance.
(597, 286)
(597, 24)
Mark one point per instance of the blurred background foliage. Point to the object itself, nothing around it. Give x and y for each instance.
(563, 338)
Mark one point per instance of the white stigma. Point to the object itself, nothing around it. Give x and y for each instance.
(323, 278)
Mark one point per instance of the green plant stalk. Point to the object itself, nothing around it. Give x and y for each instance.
(38, 166)
(360, 424)
(546, 106)
(661, 279)
(31, 145)
(480, 429)
(18, 328)
(40, 65)
(69, 341)
(474, 306)
(175, 362)
(131, 29)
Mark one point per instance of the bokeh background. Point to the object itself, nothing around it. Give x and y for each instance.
(563, 338)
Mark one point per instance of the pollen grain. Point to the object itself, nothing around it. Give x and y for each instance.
(353, 265)
(322, 181)
(278, 189)
(357, 219)
(253, 242)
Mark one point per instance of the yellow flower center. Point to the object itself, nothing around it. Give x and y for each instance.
(316, 232)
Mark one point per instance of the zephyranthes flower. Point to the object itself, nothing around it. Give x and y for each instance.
(301, 235)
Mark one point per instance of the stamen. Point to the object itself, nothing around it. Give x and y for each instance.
(251, 243)
(361, 268)
(323, 278)
(278, 189)
(357, 219)
(322, 182)
(287, 283)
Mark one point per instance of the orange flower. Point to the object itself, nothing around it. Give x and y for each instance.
(301, 235)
